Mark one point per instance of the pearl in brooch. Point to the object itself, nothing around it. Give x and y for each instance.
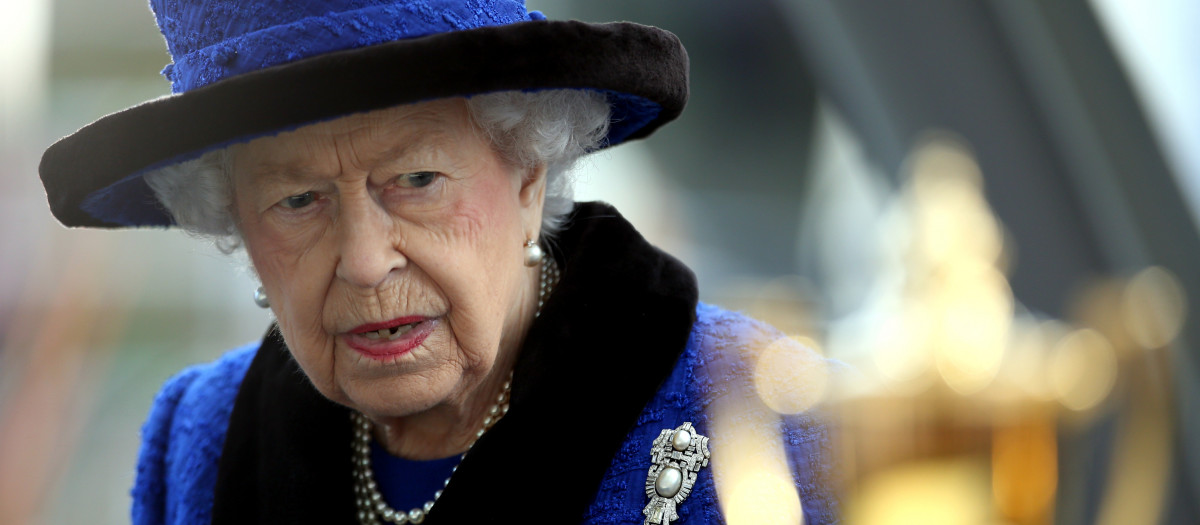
(676, 456)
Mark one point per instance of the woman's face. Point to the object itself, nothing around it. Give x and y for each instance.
(390, 246)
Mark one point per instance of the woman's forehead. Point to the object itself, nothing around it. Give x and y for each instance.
(372, 136)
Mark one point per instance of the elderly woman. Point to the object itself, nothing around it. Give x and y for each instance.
(456, 340)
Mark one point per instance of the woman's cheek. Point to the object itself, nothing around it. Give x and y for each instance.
(474, 331)
(482, 226)
(312, 350)
(295, 276)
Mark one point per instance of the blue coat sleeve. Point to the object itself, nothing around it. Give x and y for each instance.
(182, 440)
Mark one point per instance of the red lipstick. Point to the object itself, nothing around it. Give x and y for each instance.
(389, 339)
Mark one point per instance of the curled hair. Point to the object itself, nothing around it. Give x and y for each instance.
(553, 128)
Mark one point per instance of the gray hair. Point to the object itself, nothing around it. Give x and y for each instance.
(527, 129)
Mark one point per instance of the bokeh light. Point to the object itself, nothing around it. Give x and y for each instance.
(1023, 371)
(790, 377)
(1083, 369)
(901, 349)
(1154, 307)
(952, 220)
(976, 308)
(933, 492)
(750, 468)
(762, 498)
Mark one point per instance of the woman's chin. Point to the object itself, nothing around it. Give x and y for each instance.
(380, 400)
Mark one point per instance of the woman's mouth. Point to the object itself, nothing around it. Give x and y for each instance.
(390, 339)
(389, 334)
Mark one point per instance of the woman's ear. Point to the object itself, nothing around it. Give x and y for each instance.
(532, 198)
(533, 187)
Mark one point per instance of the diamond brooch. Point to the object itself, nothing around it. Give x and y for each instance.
(677, 456)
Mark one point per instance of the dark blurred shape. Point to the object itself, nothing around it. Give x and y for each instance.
(742, 146)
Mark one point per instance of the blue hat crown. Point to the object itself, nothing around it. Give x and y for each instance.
(211, 40)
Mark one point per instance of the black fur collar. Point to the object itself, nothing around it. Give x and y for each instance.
(607, 337)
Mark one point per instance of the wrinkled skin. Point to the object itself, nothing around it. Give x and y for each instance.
(376, 216)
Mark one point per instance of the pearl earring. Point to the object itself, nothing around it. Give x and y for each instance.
(260, 298)
(533, 253)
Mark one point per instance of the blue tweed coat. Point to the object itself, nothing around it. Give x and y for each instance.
(621, 351)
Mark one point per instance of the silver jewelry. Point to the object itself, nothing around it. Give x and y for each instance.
(260, 298)
(533, 253)
(677, 455)
(372, 509)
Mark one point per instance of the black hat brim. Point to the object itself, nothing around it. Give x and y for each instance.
(643, 69)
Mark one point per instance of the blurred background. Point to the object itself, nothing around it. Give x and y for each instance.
(988, 209)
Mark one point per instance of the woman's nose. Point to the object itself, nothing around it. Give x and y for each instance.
(369, 248)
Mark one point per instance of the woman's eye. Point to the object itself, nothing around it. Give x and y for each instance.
(419, 179)
(299, 201)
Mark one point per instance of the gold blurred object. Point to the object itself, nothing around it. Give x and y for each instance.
(959, 422)
(929, 492)
(947, 459)
(952, 220)
(975, 306)
(1025, 470)
(1083, 369)
(963, 396)
(932, 443)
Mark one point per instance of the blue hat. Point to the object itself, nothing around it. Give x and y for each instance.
(242, 71)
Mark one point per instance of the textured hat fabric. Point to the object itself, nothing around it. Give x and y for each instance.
(244, 70)
(213, 40)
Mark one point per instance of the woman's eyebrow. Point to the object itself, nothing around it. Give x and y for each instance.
(301, 169)
(290, 171)
(406, 143)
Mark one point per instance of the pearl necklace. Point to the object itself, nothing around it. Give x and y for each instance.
(372, 509)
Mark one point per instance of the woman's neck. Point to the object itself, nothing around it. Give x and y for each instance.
(445, 430)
